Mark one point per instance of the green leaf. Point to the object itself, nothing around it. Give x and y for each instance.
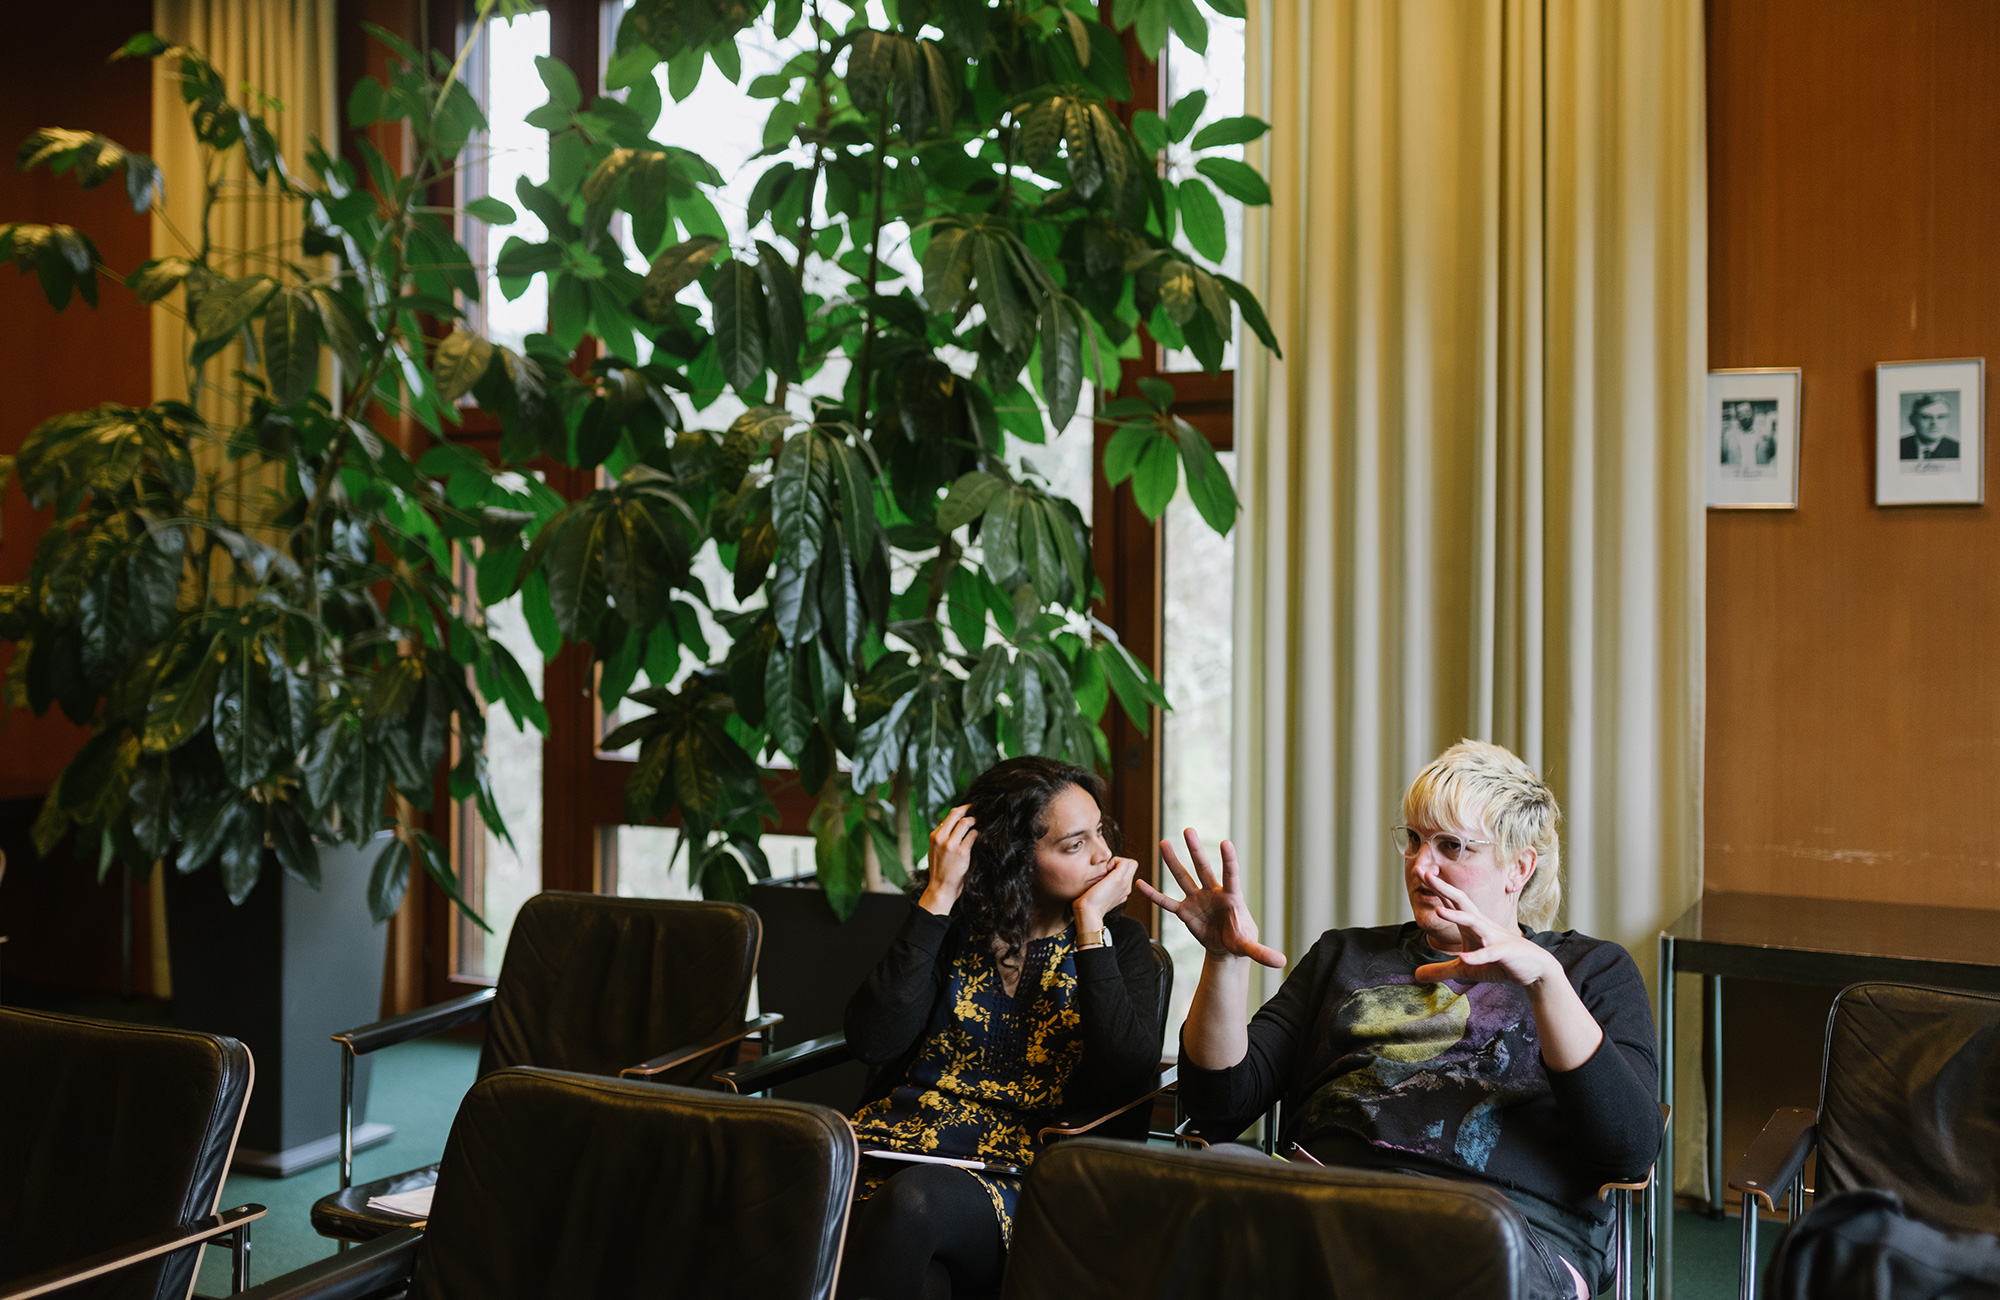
(1201, 218)
(346, 328)
(1188, 24)
(785, 318)
(1208, 483)
(948, 268)
(183, 696)
(738, 300)
(1062, 359)
(492, 211)
(997, 294)
(387, 880)
(459, 363)
(1185, 113)
(1136, 691)
(225, 308)
(1156, 477)
(968, 499)
(291, 347)
(1150, 131)
(673, 271)
(293, 844)
(156, 279)
(1230, 130)
(1238, 180)
(1253, 312)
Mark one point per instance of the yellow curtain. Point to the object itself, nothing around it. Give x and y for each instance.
(284, 49)
(1471, 485)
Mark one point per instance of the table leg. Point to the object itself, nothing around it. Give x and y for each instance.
(1711, 1026)
(1661, 1281)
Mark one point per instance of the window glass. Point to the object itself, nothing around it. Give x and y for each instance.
(1218, 73)
(501, 75)
(497, 877)
(1195, 745)
(645, 861)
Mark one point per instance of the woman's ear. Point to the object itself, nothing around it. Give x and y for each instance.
(1520, 871)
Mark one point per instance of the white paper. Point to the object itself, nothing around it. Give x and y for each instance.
(914, 1158)
(413, 1205)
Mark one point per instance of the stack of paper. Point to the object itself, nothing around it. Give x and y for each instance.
(411, 1205)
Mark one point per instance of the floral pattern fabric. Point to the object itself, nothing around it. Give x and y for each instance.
(998, 1069)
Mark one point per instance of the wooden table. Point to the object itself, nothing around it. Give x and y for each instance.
(1800, 941)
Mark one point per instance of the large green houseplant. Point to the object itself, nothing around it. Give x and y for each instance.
(260, 620)
(956, 230)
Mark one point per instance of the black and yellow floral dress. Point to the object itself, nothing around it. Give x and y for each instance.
(972, 1073)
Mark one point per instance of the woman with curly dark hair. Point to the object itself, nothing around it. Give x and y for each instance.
(1014, 991)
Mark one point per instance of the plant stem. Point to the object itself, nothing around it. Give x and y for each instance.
(863, 363)
(804, 241)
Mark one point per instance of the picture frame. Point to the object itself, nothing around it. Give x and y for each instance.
(1930, 432)
(1750, 438)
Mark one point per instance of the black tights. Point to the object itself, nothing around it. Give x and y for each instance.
(921, 1214)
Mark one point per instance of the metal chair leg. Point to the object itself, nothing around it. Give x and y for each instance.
(1621, 1244)
(239, 1259)
(1747, 1285)
(1650, 1262)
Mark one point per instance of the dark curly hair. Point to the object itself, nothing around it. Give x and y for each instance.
(1009, 804)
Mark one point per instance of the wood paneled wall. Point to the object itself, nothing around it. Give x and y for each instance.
(1853, 726)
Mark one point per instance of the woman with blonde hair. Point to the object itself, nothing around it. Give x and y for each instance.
(1472, 1041)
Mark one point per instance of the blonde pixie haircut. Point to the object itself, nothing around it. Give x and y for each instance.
(1478, 785)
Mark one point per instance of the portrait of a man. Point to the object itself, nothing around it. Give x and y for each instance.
(1932, 421)
(1749, 437)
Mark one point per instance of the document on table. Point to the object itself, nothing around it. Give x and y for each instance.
(980, 1166)
(411, 1205)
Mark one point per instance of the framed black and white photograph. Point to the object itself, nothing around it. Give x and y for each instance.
(1930, 433)
(1751, 439)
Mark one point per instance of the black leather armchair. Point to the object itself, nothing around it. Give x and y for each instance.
(1230, 1222)
(594, 1189)
(650, 988)
(1909, 1102)
(1129, 1118)
(114, 1141)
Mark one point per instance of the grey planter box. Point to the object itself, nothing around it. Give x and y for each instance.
(284, 971)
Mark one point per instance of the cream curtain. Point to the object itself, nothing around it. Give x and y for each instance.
(286, 50)
(1471, 485)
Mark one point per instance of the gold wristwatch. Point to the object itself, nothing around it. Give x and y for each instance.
(1093, 938)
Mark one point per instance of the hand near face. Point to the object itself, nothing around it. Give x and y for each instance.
(1104, 897)
(1494, 952)
(1213, 910)
(950, 860)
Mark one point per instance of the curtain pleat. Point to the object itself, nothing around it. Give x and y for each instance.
(1472, 499)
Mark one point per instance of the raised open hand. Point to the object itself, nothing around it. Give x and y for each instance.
(951, 858)
(1213, 910)
(1492, 951)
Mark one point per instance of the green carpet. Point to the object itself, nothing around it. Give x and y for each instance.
(417, 1087)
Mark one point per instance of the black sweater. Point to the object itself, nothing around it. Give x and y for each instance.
(905, 1000)
(1377, 1070)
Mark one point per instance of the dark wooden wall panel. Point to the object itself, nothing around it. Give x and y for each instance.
(1853, 725)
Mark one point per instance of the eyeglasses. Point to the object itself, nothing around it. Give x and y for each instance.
(1446, 844)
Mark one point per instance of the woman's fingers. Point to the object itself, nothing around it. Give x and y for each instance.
(1264, 955)
(1200, 857)
(1156, 898)
(1186, 881)
(942, 835)
(1232, 878)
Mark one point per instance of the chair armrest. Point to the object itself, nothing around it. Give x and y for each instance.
(682, 1055)
(417, 1024)
(1079, 1123)
(1184, 1132)
(1775, 1158)
(367, 1270)
(135, 1252)
(788, 1066)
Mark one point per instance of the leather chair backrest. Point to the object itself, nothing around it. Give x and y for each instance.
(1112, 1219)
(109, 1133)
(590, 1188)
(594, 984)
(1910, 1101)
